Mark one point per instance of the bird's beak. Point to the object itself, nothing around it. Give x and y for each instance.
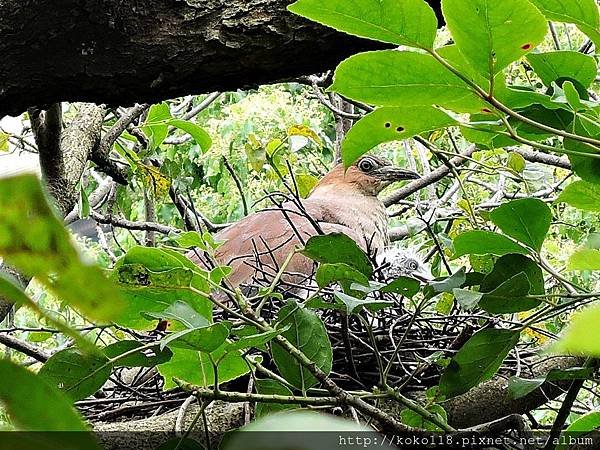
(391, 174)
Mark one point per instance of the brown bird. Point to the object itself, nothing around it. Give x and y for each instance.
(344, 201)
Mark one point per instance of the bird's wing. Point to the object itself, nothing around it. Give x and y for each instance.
(257, 246)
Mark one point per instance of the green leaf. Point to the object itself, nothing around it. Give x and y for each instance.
(330, 273)
(583, 13)
(508, 297)
(196, 367)
(155, 126)
(516, 162)
(485, 242)
(354, 305)
(153, 279)
(454, 281)
(204, 339)
(35, 405)
(584, 259)
(290, 425)
(272, 387)
(201, 137)
(307, 333)
(466, 298)
(306, 183)
(148, 357)
(492, 34)
(581, 195)
(406, 286)
(582, 335)
(255, 340)
(3, 142)
(551, 66)
(43, 249)
(182, 313)
(506, 288)
(338, 248)
(478, 360)
(583, 425)
(416, 420)
(402, 78)
(391, 124)
(78, 375)
(520, 387)
(572, 96)
(410, 22)
(527, 220)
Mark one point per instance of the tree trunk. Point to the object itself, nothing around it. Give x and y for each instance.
(124, 51)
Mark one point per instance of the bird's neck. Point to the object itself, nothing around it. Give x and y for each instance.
(365, 214)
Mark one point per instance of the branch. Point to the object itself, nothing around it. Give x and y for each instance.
(24, 347)
(166, 49)
(131, 225)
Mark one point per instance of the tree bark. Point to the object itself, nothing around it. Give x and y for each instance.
(124, 51)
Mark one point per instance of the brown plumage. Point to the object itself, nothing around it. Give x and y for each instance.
(342, 202)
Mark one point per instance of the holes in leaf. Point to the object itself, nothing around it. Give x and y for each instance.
(400, 129)
(486, 110)
(388, 125)
(526, 46)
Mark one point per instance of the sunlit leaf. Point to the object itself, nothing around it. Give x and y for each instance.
(581, 195)
(584, 259)
(552, 66)
(375, 78)
(390, 124)
(582, 335)
(409, 22)
(491, 34)
(527, 220)
(44, 249)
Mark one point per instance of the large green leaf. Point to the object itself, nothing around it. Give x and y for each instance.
(409, 22)
(354, 305)
(78, 375)
(580, 427)
(582, 336)
(33, 239)
(337, 248)
(35, 405)
(257, 340)
(289, 427)
(527, 220)
(403, 78)
(478, 360)
(196, 367)
(203, 339)
(585, 259)
(272, 387)
(201, 137)
(307, 333)
(153, 279)
(330, 273)
(155, 126)
(552, 66)
(583, 13)
(507, 286)
(492, 33)
(391, 124)
(479, 242)
(582, 195)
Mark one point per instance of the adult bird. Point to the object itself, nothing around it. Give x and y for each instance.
(343, 201)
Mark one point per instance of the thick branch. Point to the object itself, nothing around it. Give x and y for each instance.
(121, 52)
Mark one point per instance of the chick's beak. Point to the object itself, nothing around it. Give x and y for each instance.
(391, 174)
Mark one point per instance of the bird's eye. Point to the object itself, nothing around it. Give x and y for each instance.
(411, 264)
(366, 165)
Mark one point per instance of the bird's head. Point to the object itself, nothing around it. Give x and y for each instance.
(369, 175)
